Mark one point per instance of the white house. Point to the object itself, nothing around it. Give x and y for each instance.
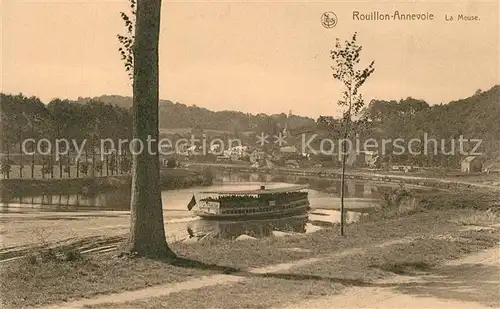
(288, 149)
(471, 164)
(236, 151)
(257, 155)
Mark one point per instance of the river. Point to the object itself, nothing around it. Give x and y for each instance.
(106, 212)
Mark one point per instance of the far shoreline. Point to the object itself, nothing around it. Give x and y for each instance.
(423, 180)
(170, 179)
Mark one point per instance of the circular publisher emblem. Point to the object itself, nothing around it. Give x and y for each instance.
(329, 20)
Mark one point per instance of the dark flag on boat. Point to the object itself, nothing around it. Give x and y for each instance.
(192, 203)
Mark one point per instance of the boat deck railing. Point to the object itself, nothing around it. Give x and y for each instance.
(267, 197)
(264, 209)
(257, 203)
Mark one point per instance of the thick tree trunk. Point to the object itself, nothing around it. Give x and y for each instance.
(147, 231)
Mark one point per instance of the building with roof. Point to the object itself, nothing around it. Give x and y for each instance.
(471, 164)
(288, 149)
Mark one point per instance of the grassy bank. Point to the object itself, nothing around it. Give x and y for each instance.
(330, 275)
(27, 282)
(169, 179)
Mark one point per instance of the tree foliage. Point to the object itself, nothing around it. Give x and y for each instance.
(178, 115)
(127, 40)
(345, 69)
(29, 118)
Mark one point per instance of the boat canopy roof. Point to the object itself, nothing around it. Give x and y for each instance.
(260, 191)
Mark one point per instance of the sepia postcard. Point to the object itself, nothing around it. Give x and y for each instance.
(249, 154)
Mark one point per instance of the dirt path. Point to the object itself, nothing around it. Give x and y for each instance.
(469, 283)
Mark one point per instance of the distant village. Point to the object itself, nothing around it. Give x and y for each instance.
(291, 156)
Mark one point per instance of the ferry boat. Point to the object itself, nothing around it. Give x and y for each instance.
(251, 204)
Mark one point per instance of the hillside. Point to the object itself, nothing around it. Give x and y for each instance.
(475, 117)
(178, 115)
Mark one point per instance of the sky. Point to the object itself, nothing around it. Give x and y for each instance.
(252, 56)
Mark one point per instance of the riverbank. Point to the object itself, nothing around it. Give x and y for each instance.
(445, 182)
(320, 262)
(169, 179)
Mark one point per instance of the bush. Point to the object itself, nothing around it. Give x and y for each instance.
(398, 201)
(392, 198)
(460, 200)
(54, 255)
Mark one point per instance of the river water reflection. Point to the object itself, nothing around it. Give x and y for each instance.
(181, 224)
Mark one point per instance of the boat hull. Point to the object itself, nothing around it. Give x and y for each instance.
(251, 216)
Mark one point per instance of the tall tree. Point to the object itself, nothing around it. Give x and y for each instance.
(147, 231)
(345, 69)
